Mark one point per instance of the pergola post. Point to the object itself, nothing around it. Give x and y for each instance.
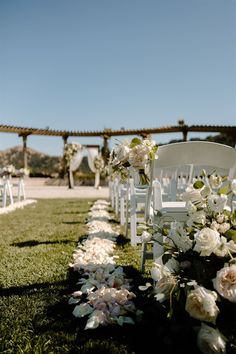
(63, 161)
(184, 129)
(25, 157)
(105, 149)
(185, 134)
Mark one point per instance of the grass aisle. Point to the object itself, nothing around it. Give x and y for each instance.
(36, 244)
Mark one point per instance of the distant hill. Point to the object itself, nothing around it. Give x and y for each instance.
(40, 164)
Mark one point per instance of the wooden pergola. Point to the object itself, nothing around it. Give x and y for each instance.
(106, 134)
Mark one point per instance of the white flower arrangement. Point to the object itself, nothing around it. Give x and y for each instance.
(70, 150)
(99, 163)
(8, 170)
(197, 270)
(136, 153)
(22, 172)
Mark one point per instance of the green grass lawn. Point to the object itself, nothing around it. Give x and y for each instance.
(36, 246)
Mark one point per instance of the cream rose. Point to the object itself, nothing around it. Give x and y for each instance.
(201, 304)
(225, 282)
(207, 241)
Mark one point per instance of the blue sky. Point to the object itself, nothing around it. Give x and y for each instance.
(95, 64)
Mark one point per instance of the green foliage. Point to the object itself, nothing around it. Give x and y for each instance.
(135, 142)
(198, 185)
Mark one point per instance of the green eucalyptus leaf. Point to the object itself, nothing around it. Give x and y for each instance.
(231, 234)
(155, 148)
(198, 185)
(135, 142)
(152, 155)
(224, 190)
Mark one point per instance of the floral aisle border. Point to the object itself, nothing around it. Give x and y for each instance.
(17, 205)
(104, 296)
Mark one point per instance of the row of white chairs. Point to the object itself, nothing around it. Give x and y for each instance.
(175, 168)
(11, 190)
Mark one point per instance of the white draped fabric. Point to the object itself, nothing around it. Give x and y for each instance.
(76, 159)
(92, 153)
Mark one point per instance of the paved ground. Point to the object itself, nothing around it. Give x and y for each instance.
(35, 188)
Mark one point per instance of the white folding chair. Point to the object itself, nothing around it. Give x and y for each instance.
(6, 191)
(133, 198)
(19, 188)
(196, 154)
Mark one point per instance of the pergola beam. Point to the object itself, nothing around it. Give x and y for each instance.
(109, 132)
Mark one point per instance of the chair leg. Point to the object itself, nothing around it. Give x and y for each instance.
(4, 195)
(143, 256)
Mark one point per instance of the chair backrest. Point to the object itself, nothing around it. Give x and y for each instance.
(198, 153)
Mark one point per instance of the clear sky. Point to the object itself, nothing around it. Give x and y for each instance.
(95, 64)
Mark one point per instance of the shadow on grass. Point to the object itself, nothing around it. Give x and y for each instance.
(32, 243)
(72, 222)
(34, 288)
(78, 212)
(122, 240)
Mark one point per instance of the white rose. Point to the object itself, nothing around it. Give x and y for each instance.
(201, 304)
(138, 156)
(225, 282)
(207, 240)
(217, 203)
(210, 340)
(224, 227)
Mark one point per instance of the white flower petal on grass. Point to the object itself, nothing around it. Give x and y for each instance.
(73, 301)
(82, 310)
(105, 285)
(122, 319)
(97, 318)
